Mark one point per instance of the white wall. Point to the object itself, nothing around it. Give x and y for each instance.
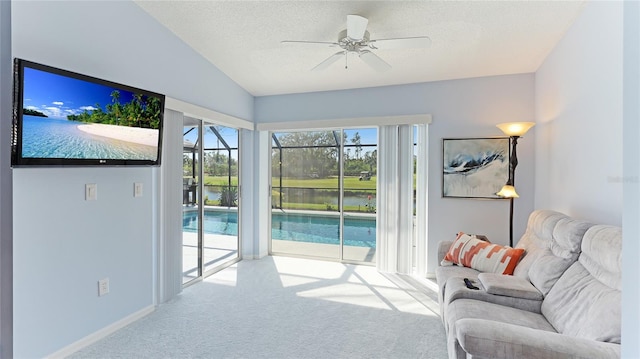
(586, 147)
(631, 186)
(460, 108)
(6, 187)
(64, 244)
(579, 119)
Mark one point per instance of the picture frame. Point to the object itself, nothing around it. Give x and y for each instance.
(475, 167)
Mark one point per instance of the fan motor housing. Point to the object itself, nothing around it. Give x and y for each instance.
(349, 44)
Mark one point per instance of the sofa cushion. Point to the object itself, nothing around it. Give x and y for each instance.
(470, 308)
(552, 244)
(495, 313)
(509, 286)
(481, 338)
(443, 274)
(475, 253)
(539, 229)
(457, 289)
(586, 301)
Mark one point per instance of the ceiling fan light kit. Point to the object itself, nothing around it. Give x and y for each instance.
(355, 39)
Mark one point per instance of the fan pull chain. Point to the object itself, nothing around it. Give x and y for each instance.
(346, 60)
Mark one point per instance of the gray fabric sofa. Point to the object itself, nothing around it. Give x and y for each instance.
(563, 300)
(551, 243)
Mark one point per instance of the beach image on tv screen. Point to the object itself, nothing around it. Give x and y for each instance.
(65, 117)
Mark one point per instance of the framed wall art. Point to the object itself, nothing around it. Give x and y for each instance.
(474, 167)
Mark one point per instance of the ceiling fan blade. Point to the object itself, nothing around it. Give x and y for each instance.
(401, 43)
(329, 61)
(356, 26)
(326, 43)
(374, 61)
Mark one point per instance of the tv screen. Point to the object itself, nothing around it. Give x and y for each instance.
(62, 118)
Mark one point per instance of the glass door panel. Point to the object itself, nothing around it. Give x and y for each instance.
(220, 195)
(359, 194)
(306, 194)
(190, 194)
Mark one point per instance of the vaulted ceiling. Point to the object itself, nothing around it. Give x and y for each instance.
(468, 39)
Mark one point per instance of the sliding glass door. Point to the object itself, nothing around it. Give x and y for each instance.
(210, 198)
(324, 194)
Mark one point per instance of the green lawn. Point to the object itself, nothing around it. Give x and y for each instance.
(220, 180)
(350, 183)
(330, 182)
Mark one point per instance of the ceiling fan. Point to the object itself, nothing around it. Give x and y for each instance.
(355, 40)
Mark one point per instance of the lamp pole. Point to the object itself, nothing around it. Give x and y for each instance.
(511, 222)
(513, 163)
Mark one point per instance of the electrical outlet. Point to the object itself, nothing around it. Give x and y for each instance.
(103, 287)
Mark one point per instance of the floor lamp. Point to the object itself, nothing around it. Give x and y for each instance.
(514, 130)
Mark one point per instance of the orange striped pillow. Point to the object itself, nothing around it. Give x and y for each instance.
(483, 256)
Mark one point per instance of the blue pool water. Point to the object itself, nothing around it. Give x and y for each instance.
(359, 232)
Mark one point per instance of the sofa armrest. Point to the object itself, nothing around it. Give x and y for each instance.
(481, 338)
(443, 248)
(509, 286)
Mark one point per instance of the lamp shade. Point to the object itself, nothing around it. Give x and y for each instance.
(515, 128)
(508, 191)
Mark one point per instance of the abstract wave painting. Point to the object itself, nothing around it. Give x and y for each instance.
(474, 167)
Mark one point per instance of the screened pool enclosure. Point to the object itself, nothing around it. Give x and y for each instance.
(323, 192)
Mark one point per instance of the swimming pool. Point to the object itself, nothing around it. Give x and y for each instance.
(314, 228)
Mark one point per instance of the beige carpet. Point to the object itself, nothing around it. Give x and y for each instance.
(280, 307)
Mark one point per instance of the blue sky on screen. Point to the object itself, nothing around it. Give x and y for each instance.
(367, 135)
(59, 96)
(229, 135)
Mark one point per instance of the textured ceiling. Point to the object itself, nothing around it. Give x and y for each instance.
(469, 39)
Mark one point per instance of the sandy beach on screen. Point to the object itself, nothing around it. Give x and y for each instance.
(142, 136)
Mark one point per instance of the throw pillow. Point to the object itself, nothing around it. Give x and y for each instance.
(483, 256)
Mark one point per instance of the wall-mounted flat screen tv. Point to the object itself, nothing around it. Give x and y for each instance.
(62, 118)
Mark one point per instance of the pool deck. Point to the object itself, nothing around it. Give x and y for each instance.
(220, 248)
(321, 250)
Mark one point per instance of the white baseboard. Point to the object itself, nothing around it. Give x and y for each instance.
(429, 282)
(102, 333)
(430, 275)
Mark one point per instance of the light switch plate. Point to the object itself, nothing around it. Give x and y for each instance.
(137, 189)
(91, 192)
(103, 287)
